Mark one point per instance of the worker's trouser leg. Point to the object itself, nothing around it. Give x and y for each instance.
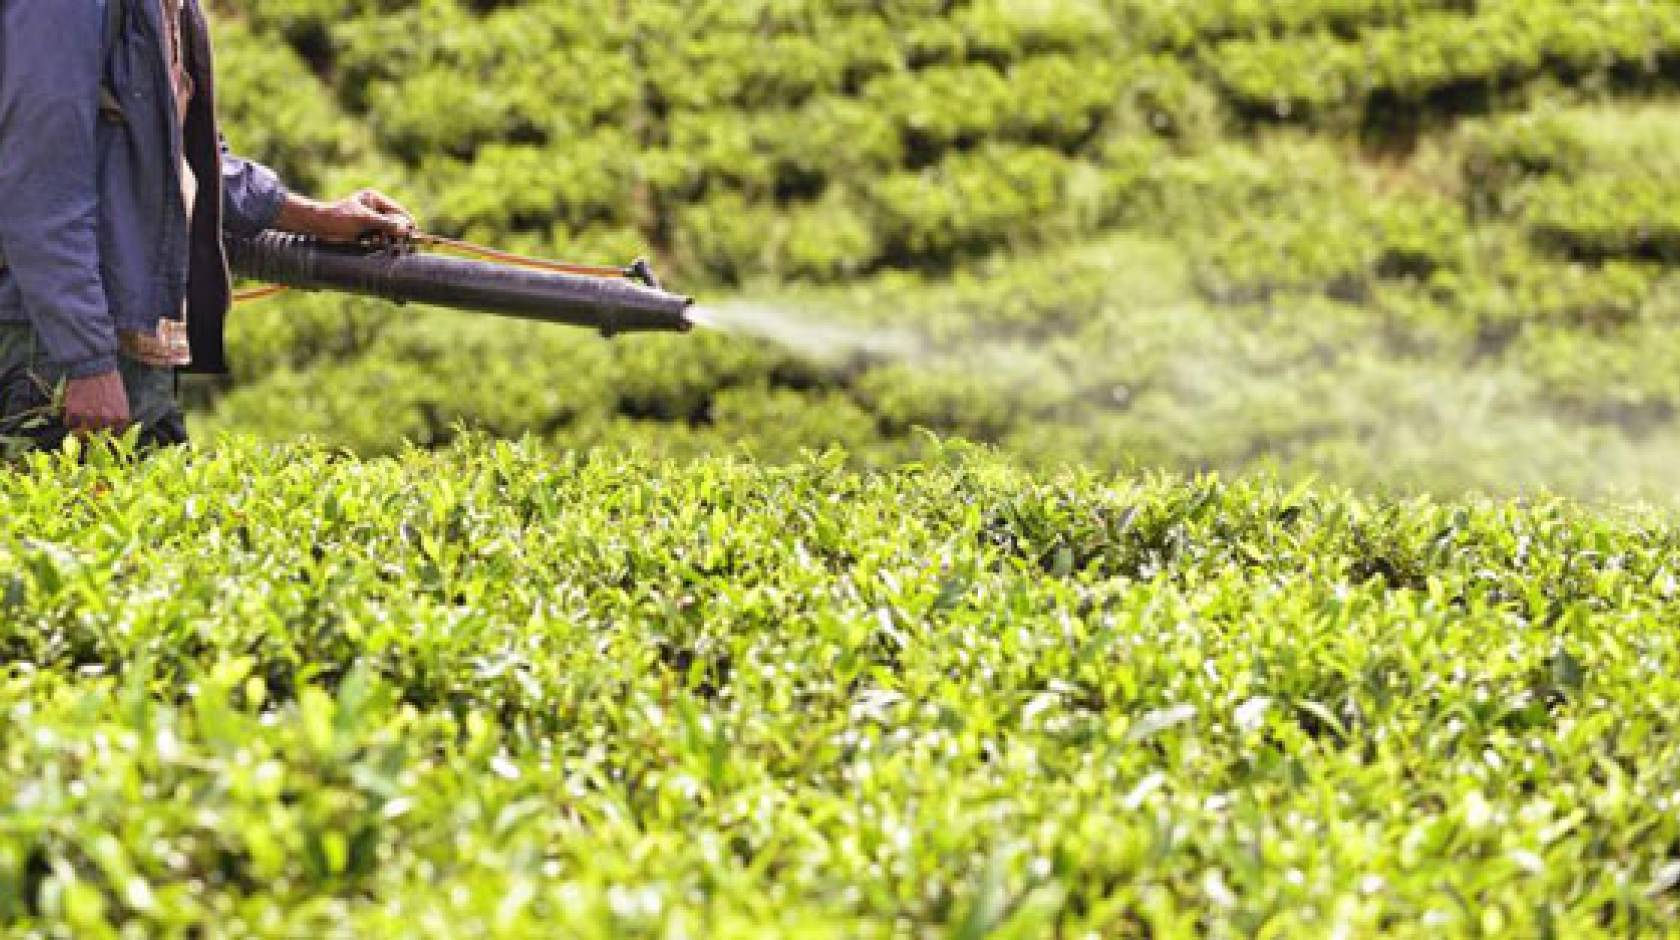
(29, 417)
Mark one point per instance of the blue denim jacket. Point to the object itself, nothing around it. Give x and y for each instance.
(91, 232)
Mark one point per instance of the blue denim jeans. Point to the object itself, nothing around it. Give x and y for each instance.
(31, 416)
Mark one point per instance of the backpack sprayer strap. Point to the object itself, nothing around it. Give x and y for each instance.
(116, 20)
(110, 108)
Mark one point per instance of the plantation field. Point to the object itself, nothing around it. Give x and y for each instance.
(1122, 233)
(488, 691)
(456, 626)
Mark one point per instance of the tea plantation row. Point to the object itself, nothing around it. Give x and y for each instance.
(1102, 357)
(1429, 222)
(487, 691)
(819, 140)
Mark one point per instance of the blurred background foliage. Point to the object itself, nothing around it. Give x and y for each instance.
(1192, 233)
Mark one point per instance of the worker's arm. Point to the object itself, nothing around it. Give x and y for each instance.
(50, 73)
(252, 194)
(254, 199)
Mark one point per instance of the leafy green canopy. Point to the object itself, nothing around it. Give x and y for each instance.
(1335, 198)
(482, 691)
(818, 139)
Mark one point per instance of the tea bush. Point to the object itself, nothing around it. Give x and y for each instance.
(1448, 60)
(528, 120)
(1103, 357)
(490, 690)
(1462, 183)
(728, 645)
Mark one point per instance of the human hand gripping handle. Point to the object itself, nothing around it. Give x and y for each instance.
(367, 213)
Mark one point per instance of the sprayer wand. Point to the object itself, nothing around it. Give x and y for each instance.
(638, 270)
(612, 300)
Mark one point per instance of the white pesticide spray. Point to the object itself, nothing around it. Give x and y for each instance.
(820, 339)
(1188, 385)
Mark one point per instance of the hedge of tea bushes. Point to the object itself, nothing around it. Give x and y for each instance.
(1103, 357)
(820, 140)
(1470, 186)
(493, 691)
(1447, 60)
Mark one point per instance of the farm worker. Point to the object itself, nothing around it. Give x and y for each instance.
(115, 189)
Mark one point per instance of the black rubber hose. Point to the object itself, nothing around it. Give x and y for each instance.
(611, 305)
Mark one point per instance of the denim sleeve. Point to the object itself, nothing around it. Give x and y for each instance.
(50, 72)
(252, 194)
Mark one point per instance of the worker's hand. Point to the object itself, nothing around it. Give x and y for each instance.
(97, 403)
(368, 213)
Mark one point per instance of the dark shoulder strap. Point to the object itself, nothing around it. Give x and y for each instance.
(116, 20)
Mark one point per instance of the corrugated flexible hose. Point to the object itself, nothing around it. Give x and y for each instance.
(605, 299)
